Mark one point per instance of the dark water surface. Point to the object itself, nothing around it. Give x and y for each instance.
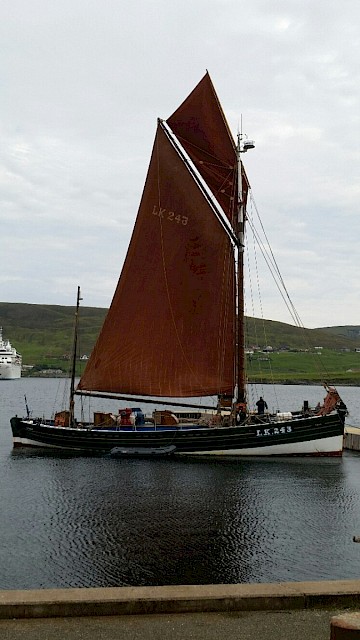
(77, 521)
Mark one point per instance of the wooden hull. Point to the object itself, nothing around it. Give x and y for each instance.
(315, 435)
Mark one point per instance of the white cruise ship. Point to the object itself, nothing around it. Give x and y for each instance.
(10, 360)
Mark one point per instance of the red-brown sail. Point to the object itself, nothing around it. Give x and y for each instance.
(201, 127)
(170, 329)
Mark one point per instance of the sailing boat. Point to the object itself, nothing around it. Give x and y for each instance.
(175, 327)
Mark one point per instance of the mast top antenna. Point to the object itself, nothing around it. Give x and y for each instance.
(244, 144)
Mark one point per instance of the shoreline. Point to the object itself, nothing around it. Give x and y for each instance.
(115, 601)
(306, 382)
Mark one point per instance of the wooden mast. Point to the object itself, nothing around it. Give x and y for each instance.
(240, 333)
(73, 366)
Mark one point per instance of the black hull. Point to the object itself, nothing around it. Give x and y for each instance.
(315, 435)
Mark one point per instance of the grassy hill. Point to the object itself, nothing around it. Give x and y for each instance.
(280, 335)
(349, 331)
(43, 335)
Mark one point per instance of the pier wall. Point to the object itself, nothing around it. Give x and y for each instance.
(118, 601)
(352, 438)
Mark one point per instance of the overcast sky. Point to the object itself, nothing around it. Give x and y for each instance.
(82, 84)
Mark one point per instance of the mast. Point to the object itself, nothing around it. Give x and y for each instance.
(73, 364)
(240, 333)
(240, 377)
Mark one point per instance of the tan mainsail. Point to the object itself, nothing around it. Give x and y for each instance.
(170, 328)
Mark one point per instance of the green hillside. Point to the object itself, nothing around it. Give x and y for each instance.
(43, 334)
(349, 331)
(279, 335)
(327, 365)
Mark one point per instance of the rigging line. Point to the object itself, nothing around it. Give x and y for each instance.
(212, 165)
(218, 163)
(252, 390)
(270, 266)
(63, 401)
(266, 238)
(258, 368)
(274, 260)
(292, 310)
(262, 314)
(289, 304)
(82, 409)
(215, 206)
(249, 361)
(274, 270)
(251, 291)
(320, 365)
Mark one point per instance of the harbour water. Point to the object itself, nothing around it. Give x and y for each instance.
(78, 521)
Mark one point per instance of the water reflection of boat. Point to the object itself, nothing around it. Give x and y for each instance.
(175, 328)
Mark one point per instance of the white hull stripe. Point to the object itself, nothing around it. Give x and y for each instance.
(334, 444)
(328, 446)
(34, 443)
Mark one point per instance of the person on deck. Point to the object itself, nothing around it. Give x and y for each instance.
(261, 406)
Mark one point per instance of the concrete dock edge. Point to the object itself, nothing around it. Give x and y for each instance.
(352, 438)
(49, 603)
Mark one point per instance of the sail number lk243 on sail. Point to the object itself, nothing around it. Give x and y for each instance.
(169, 215)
